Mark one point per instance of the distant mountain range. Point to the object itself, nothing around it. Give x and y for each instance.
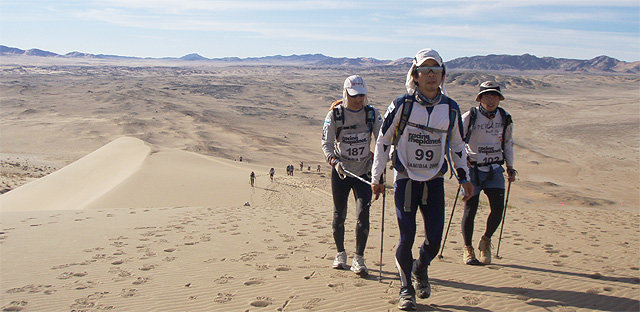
(525, 62)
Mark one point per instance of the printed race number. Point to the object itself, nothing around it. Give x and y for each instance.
(356, 151)
(489, 160)
(424, 154)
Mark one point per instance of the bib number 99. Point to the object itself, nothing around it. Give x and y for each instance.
(422, 154)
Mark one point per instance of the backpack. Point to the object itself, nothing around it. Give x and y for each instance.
(473, 115)
(338, 116)
(404, 119)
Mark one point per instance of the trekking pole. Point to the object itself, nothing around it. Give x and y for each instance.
(357, 177)
(450, 218)
(384, 197)
(504, 214)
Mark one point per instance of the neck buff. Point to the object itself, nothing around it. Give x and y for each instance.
(487, 113)
(423, 100)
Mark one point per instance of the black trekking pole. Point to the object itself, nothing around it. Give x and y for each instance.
(384, 197)
(450, 218)
(504, 214)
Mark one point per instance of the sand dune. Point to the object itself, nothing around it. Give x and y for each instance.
(133, 174)
(80, 183)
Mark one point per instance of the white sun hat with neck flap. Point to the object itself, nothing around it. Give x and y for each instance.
(421, 57)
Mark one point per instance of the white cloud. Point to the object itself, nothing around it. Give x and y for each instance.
(181, 6)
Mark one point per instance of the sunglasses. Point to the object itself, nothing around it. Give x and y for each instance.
(357, 95)
(427, 69)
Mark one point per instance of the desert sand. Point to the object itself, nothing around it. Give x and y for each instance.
(123, 191)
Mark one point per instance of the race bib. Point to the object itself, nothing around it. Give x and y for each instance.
(423, 148)
(355, 146)
(489, 153)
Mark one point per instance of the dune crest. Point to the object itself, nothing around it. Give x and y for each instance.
(81, 182)
(131, 173)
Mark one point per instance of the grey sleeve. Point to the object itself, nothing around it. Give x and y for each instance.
(508, 145)
(329, 137)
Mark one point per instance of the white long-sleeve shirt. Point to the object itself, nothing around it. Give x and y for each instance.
(421, 149)
(485, 143)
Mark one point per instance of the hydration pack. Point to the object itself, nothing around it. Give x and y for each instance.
(338, 116)
(402, 124)
(506, 121)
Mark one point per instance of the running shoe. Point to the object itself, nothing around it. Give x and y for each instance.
(469, 256)
(407, 300)
(358, 266)
(484, 250)
(421, 280)
(340, 262)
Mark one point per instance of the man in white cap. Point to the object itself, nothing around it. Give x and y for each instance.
(423, 126)
(489, 137)
(346, 140)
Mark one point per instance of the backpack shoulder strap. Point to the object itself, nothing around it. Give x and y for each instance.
(506, 121)
(404, 118)
(473, 115)
(371, 116)
(338, 118)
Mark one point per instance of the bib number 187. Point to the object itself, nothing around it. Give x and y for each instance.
(356, 151)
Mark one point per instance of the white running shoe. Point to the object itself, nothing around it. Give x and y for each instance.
(340, 262)
(358, 266)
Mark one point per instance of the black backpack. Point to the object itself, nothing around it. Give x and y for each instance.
(472, 121)
(338, 116)
(402, 124)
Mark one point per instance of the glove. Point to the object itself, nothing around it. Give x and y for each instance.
(340, 170)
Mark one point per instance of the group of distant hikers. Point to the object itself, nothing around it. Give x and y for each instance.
(424, 134)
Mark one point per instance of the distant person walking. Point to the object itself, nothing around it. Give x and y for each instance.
(348, 129)
(489, 144)
(318, 168)
(301, 165)
(271, 173)
(252, 178)
(423, 126)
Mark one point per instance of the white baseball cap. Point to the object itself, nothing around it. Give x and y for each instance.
(427, 54)
(355, 85)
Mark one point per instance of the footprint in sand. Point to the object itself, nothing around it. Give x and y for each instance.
(140, 280)
(261, 302)
(127, 293)
(68, 275)
(359, 283)
(282, 268)
(117, 262)
(147, 267)
(90, 303)
(32, 289)
(253, 281)
(223, 298)
(282, 256)
(472, 300)
(337, 287)
(312, 303)
(15, 305)
(223, 279)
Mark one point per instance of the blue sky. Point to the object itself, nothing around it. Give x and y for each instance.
(580, 29)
